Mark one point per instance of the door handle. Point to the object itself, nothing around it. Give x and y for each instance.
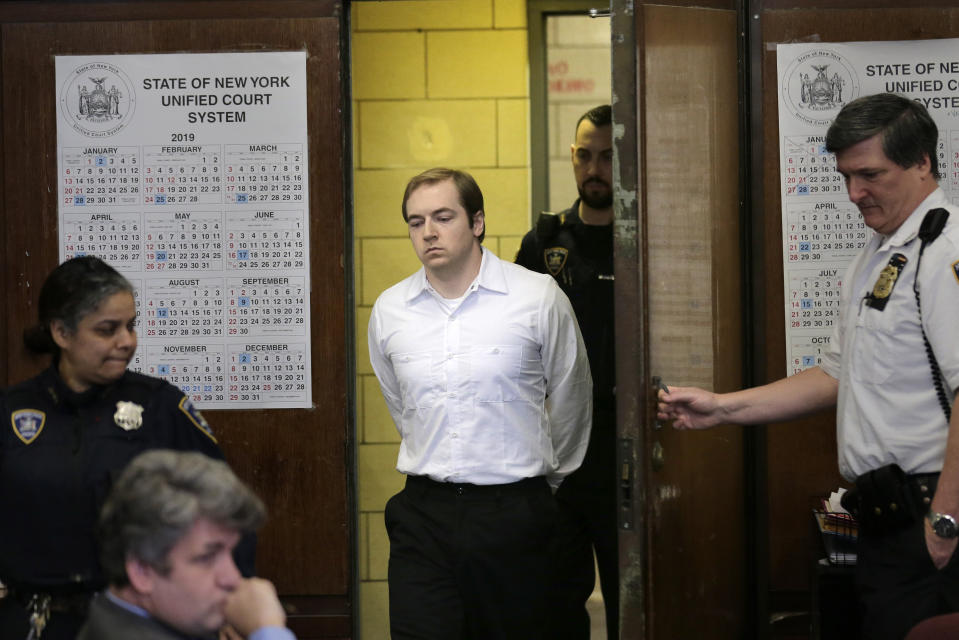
(657, 456)
(657, 385)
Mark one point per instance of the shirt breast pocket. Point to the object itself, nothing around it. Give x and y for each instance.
(881, 349)
(414, 374)
(496, 373)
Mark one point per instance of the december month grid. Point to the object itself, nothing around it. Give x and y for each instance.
(203, 223)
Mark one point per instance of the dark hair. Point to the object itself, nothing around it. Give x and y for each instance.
(908, 132)
(470, 195)
(71, 291)
(600, 116)
(158, 498)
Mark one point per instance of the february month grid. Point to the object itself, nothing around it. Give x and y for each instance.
(183, 241)
(182, 307)
(104, 176)
(267, 371)
(182, 175)
(115, 236)
(267, 305)
(264, 174)
(266, 239)
(197, 369)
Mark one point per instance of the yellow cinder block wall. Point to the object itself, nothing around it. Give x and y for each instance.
(435, 83)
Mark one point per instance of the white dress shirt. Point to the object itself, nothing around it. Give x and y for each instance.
(887, 408)
(489, 391)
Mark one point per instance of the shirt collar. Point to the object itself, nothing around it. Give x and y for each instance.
(129, 606)
(143, 613)
(909, 229)
(61, 394)
(491, 276)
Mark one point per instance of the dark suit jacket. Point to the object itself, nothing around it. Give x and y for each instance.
(109, 621)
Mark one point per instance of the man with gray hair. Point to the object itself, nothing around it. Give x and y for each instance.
(167, 533)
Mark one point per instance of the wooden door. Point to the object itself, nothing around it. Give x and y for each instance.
(682, 530)
(299, 461)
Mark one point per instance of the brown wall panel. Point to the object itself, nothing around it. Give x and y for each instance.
(297, 460)
(802, 455)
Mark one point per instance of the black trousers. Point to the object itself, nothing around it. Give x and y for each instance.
(898, 584)
(587, 523)
(469, 562)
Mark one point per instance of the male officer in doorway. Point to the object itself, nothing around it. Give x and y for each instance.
(892, 368)
(576, 248)
(484, 372)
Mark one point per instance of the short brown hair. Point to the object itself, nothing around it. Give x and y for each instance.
(470, 195)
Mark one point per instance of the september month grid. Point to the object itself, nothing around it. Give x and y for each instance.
(218, 233)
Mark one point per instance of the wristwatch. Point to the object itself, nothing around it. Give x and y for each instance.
(943, 524)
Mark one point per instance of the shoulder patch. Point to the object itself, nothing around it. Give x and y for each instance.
(28, 423)
(196, 417)
(955, 269)
(555, 259)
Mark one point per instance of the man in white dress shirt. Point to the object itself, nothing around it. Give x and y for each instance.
(485, 374)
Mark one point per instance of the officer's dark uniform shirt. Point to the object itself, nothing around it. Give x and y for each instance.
(579, 256)
(59, 454)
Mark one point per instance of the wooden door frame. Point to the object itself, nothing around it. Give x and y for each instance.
(332, 614)
(536, 13)
(631, 322)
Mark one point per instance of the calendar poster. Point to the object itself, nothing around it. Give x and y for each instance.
(822, 231)
(188, 173)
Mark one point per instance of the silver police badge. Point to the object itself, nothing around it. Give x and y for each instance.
(129, 416)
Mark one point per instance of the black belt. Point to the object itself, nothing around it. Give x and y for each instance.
(466, 488)
(924, 487)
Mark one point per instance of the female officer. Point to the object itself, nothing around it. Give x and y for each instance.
(66, 434)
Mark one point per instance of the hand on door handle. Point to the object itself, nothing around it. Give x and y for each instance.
(659, 385)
